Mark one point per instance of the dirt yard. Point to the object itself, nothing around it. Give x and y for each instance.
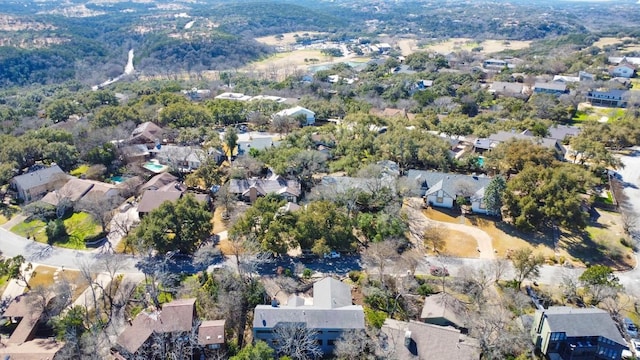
(488, 46)
(287, 39)
(408, 46)
(607, 41)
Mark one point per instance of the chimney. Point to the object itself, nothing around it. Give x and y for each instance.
(407, 338)
(274, 303)
(253, 194)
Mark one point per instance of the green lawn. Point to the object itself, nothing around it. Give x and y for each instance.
(80, 226)
(598, 114)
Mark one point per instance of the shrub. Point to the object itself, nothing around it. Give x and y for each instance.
(306, 273)
(626, 243)
(425, 289)
(56, 230)
(354, 275)
(374, 318)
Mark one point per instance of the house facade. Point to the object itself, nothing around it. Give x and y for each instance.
(34, 185)
(331, 313)
(612, 98)
(566, 333)
(623, 70)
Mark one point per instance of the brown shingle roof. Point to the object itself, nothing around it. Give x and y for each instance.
(445, 306)
(146, 132)
(22, 307)
(153, 199)
(177, 316)
(277, 185)
(159, 181)
(211, 332)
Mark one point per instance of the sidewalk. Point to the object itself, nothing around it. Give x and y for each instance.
(14, 221)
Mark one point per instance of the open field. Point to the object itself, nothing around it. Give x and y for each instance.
(287, 38)
(488, 46)
(289, 59)
(607, 41)
(408, 46)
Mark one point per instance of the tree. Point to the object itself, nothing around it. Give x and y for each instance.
(434, 237)
(15, 268)
(56, 231)
(256, 351)
(526, 264)
(353, 345)
(512, 156)
(230, 141)
(226, 200)
(600, 282)
(100, 207)
(377, 255)
(493, 195)
(296, 341)
(176, 226)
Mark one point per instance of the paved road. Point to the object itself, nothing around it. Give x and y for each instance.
(631, 178)
(12, 244)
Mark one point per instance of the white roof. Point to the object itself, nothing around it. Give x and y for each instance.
(294, 111)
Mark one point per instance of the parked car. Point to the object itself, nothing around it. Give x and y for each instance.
(332, 255)
(438, 271)
(630, 327)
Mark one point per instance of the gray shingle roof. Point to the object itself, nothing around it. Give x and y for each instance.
(278, 185)
(331, 309)
(506, 87)
(560, 132)
(37, 178)
(583, 322)
(451, 183)
(555, 86)
(502, 136)
(445, 306)
(429, 342)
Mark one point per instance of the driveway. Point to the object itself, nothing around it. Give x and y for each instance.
(418, 222)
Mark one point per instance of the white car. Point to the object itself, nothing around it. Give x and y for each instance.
(332, 255)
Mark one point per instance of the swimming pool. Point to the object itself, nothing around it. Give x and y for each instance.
(481, 161)
(117, 179)
(154, 167)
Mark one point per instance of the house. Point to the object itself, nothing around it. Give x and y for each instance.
(255, 140)
(566, 79)
(444, 310)
(623, 70)
(75, 190)
(497, 64)
(331, 313)
(307, 115)
(152, 199)
(554, 88)
(250, 189)
(585, 76)
(159, 181)
(135, 153)
(23, 342)
(613, 98)
(416, 340)
(442, 189)
(566, 333)
(485, 144)
(563, 132)
(196, 94)
(183, 158)
(35, 184)
(233, 96)
(624, 59)
(146, 133)
(173, 320)
(510, 89)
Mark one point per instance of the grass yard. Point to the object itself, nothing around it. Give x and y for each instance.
(488, 46)
(587, 112)
(287, 38)
(42, 276)
(7, 212)
(80, 226)
(460, 244)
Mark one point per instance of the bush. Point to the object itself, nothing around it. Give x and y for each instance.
(425, 289)
(56, 231)
(306, 273)
(626, 243)
(375, 318)
(354, 275)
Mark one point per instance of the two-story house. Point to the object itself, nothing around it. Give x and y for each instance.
(331, 313)
(34, 185)
(613, 98)
(565, 333)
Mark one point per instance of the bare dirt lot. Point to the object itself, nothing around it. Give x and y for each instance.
(287, 38)
(488, 46)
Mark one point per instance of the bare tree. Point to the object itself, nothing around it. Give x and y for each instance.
(499, 267)
(226, 200)
(377, 255)
(411, 259)
(497, 333)
(100, 207)
(434, 237)
(296, 341)
(353, 345)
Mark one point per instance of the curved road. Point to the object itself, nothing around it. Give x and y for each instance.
(12, 244)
